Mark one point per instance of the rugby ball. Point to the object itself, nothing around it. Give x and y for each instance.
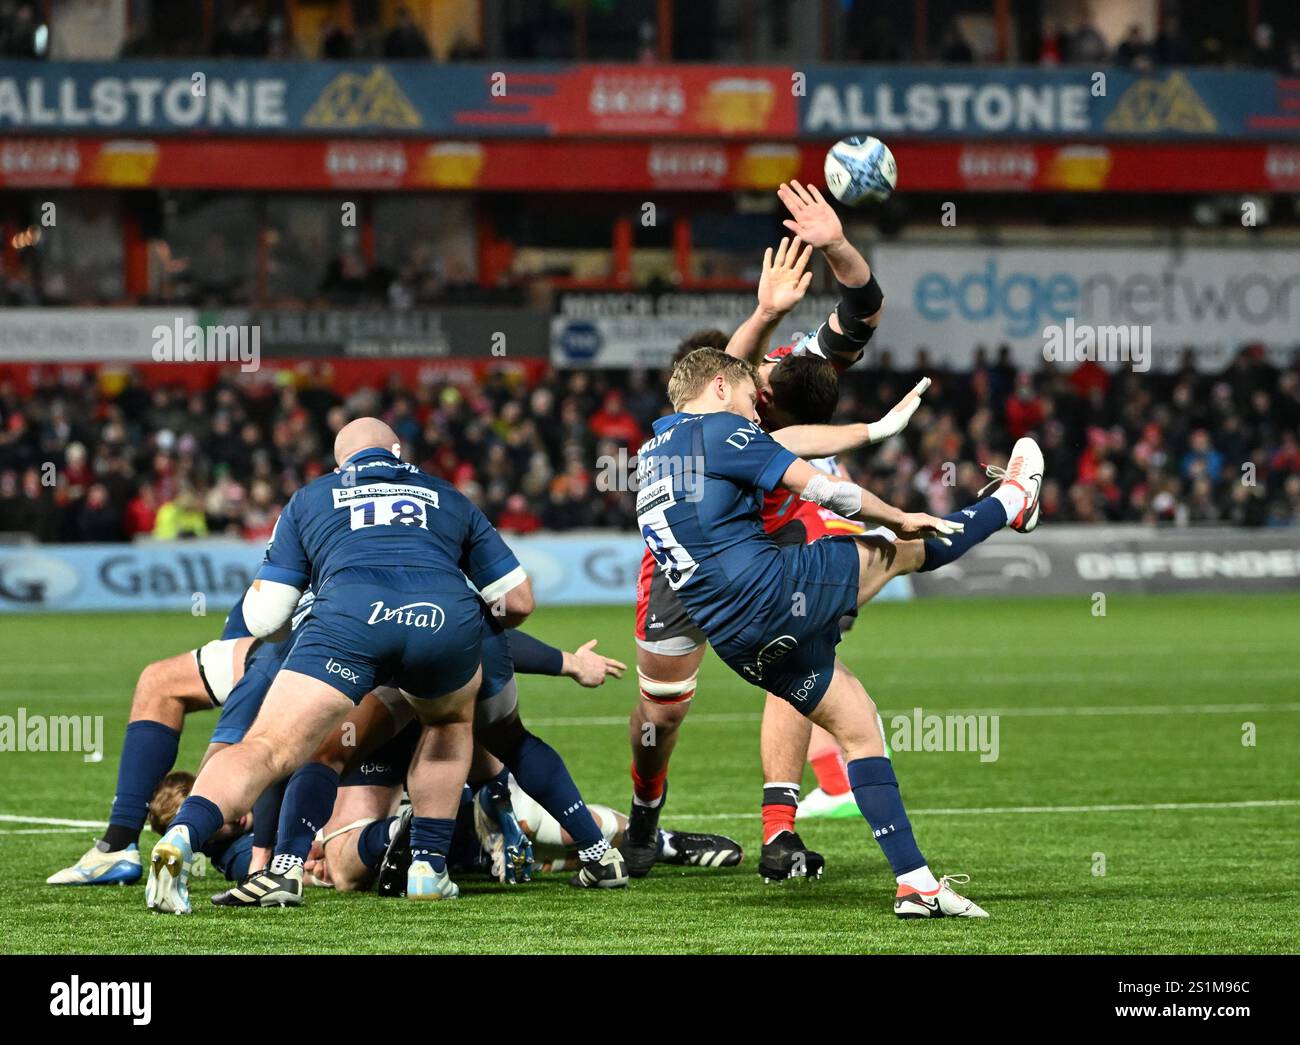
(860, 169)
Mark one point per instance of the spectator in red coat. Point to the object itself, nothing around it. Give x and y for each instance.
(1024, 407)
(517, 517)
(142, 511)
(612, 421)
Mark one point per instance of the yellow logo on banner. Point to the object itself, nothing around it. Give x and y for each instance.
(736, 105)
(374, 100)
(1150, 105)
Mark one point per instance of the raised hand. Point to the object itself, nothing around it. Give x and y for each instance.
(785, 278)
(812, 219)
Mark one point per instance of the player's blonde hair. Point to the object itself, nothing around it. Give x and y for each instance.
(695, 370)
(166, 802)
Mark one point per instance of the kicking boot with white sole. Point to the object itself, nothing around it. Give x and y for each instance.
(944, 902)
(424, 883)
(1024, 471)
(101, 867)
(168, 888)
(265, 889)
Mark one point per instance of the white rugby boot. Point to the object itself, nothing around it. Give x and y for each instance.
(945, 902)
(116, 867)
(1025, 471)
(168, 888)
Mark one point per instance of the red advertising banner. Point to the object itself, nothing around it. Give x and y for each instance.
(612, 166)
(674, 101)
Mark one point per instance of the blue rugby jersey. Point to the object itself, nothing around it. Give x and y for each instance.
(378, 511)
(701, 481)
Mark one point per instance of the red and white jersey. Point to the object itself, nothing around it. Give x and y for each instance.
(782, 507)
(809, 344)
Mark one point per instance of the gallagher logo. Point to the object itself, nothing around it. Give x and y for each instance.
(36, 580)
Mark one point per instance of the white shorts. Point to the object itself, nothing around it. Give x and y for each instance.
(216, 663)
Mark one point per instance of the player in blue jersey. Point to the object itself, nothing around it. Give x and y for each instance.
(365, 740)
(773, 613)
(387, 550)
(165, 693)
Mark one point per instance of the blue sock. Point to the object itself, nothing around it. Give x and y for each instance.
(372, 843)
(541, 773)
(308, 802)
(203, 818)
(148, 753)
(266, 815)
(981, 519)
(876, 790)
(431, 840)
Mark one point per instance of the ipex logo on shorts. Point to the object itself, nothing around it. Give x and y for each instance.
(413, 615)
(333, 667)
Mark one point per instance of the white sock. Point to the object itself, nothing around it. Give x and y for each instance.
(283, 863)
(649, 805)
(594, 851)
(1012, 499)
(922, 879)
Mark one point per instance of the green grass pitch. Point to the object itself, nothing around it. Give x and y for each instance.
(1146, 707)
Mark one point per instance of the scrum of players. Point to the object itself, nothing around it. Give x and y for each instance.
(370, 733)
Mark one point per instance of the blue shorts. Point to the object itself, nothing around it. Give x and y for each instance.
(498, 667)
(420, 628)
(386, 766)
(245, 700)
(788, 648)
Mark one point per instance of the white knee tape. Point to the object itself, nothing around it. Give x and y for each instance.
(667, 692)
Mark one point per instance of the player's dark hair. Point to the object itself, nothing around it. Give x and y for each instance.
(700, 339)
(805, 388)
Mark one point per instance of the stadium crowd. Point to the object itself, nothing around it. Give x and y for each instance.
(87, 459)
(869, 29)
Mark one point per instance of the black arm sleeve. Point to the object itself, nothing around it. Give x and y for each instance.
(533, 656)
(856, 306)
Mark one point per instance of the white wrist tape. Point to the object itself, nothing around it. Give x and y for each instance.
(840, 497)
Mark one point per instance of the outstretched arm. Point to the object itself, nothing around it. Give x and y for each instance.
(851, 501)
(584, 665)
(781, 287)
(828, 440)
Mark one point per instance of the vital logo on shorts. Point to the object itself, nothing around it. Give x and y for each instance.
(768, 655)
(413, 615)
(333, 667)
